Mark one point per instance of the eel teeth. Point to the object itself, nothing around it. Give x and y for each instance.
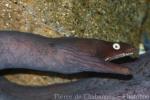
(118, 56)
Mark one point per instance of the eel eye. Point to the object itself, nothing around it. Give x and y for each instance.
(116, 46)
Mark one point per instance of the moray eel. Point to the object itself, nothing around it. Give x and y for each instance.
(12, 91)
(62, 55)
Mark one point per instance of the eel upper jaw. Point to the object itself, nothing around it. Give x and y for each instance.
(119, 56)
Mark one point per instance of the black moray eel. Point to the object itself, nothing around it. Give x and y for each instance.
(121, 89)
(62, 55)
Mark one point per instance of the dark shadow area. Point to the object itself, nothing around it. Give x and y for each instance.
(126, 59)
(67, 76)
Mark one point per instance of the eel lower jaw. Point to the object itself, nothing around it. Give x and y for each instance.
(119, 56)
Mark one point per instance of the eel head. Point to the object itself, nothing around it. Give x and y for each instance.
(112, 51)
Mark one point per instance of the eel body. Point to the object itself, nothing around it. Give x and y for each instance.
(136, 86)
(62, 55)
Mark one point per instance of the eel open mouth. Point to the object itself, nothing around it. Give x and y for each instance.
(119, 56)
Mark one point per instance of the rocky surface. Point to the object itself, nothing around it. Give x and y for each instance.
(146, 20)
(105, 19)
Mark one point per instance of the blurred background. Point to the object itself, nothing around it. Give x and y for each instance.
(112, 20)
